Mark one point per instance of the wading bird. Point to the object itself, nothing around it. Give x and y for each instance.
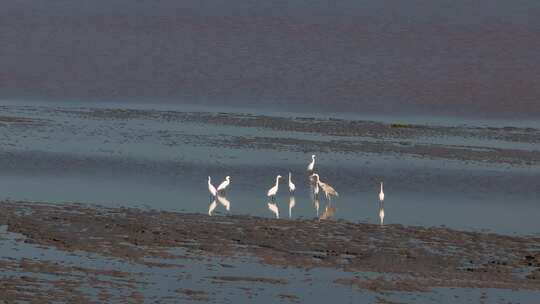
(326, 188)
(311, 164)
(381, 194)
(274, 208)
(273, 191)
(211, 187)
(224, 184)
(292, 187)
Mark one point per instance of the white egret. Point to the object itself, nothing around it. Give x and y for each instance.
(211, 208)
(211, 187)
(292, 203)
(311, 164)
(317, 205)
(273, 191)
(225, 202)
(224, 184)
(274, 208)
(381, 194)
(292, 187)
(327, 189)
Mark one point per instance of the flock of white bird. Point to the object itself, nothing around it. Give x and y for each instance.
(218, 194)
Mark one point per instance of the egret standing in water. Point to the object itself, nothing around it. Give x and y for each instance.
(327, 189)
(273, 191)
(292, 187)
(211, 187)
(381, 194)
(224, 184)
(311, 165)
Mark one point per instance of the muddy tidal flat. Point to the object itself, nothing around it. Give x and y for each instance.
(89, 254)
(103, 204)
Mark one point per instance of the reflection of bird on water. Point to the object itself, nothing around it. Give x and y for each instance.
(274, 208)
(328, 213)
(381, 194)
(211, 208)
(327, 189)
(225, 202)
(273, 191)
(316, 190)
(211, 187)
(224, 184)
(311, 164)
(317, 205)
(381, 213)
(292, 202)
(292, 187)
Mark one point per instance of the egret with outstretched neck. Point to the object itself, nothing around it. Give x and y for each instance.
(273, 191)
(311, 165)
(224, 184)
(381, 194)
(292, 187)
(211, 187)
(327, 189)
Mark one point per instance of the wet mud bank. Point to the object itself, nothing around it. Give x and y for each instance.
(402, 258)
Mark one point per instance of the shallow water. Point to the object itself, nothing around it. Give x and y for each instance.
(164, 164)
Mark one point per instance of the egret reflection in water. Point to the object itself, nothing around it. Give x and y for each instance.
(274, 208)
(292, 203)
(225, 202)
(329, 212)
(212, 207)
(381, 213)
(316, 204)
